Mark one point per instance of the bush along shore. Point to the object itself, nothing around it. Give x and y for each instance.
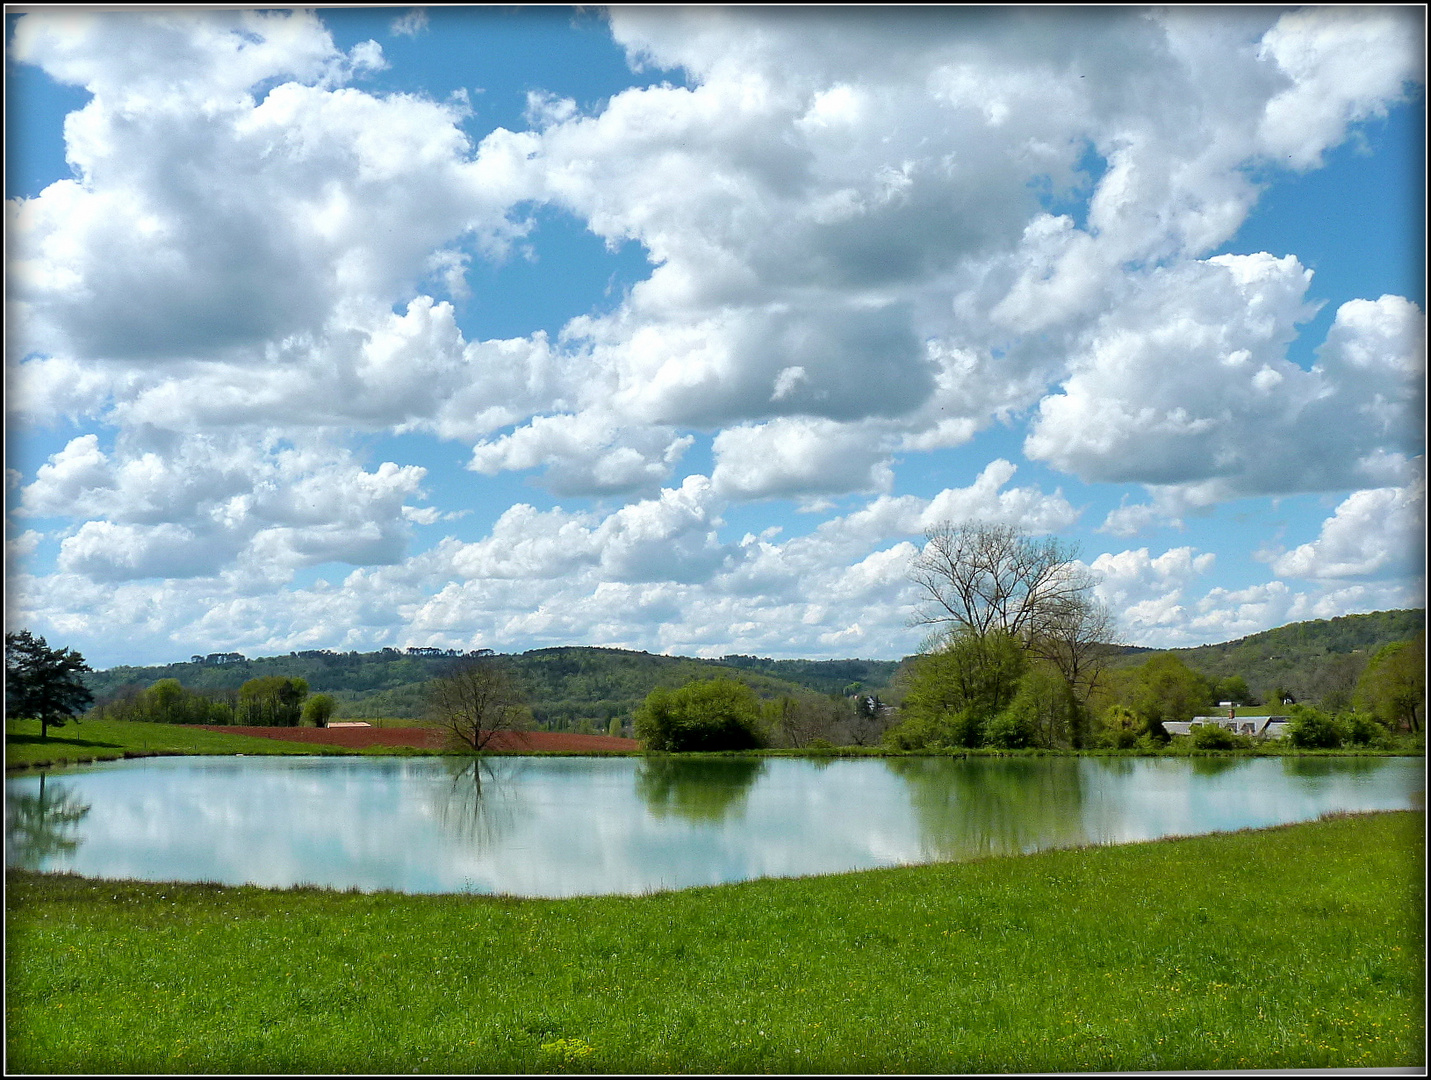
(1301, 946)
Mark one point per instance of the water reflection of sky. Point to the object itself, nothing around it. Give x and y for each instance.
(570, 826)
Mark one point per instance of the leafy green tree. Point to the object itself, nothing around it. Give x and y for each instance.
(1363, 729)
(1045, 712)
(1233, 688)
(319, 709)
(165, 702)
(42, 683)
(1012, 729)
(272, 701)
(1121, 727)
(708, 714)
(1313, 729)
(955, 689)
(1393, 687)
(1163, 688)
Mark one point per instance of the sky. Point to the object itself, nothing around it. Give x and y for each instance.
(675, 329)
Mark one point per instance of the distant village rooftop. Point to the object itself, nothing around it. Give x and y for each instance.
(1260, 727)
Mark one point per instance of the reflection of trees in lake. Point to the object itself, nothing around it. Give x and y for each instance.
(993, 806)
(41, 824)
(1214, 766)
(1115, 766)
(701, 790)
(1320, 767)
(480, 801)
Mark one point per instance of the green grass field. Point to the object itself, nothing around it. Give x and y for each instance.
(103, 740)
(1295, 947)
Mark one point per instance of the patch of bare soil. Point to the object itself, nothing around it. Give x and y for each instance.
(511, 742)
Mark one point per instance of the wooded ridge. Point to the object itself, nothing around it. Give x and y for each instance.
(567, 685)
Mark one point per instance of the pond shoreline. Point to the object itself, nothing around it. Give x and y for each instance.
(19, 768)
(83, 743)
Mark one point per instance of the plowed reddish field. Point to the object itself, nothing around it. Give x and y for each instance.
(512, 742)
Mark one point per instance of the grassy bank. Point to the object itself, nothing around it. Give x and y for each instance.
(105, 740)
(1295, 947)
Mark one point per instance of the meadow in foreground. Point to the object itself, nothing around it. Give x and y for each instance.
(1294, 947)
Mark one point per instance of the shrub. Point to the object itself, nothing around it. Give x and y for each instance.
(1312, 729)
(1012, 729)
(1121, 728)
(916, 733)
(318, 709)
(1217, 737)
(709, 714)
(1363, 729)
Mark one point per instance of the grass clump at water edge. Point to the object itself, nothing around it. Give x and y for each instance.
(1295, 947)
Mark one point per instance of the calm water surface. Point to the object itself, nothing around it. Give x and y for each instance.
(579, 826)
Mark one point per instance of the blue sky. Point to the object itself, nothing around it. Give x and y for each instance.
(674, 329)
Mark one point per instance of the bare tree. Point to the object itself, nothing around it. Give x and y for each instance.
(867, 719)
(1074, 636)
(808, 716)
(475, 700)
(981, 578)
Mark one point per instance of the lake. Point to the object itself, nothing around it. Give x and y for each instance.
(581, 826)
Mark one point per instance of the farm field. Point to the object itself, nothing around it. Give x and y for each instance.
(1296, 947)
(434, 738)
(104, 740)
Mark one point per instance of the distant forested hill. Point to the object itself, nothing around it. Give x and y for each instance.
(1306, 658)
(825, 676)
(564, 685)
(567, 686)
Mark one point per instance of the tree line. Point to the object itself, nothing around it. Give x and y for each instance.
(267, 701)
(1021, 658)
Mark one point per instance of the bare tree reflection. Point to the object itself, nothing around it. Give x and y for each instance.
(702, 790)
(40, 825)
(480, 801)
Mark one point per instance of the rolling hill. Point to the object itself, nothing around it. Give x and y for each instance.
(573, 686)
(1306, 658)
(565, 686)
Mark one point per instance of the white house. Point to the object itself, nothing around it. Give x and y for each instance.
(1259, 727)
